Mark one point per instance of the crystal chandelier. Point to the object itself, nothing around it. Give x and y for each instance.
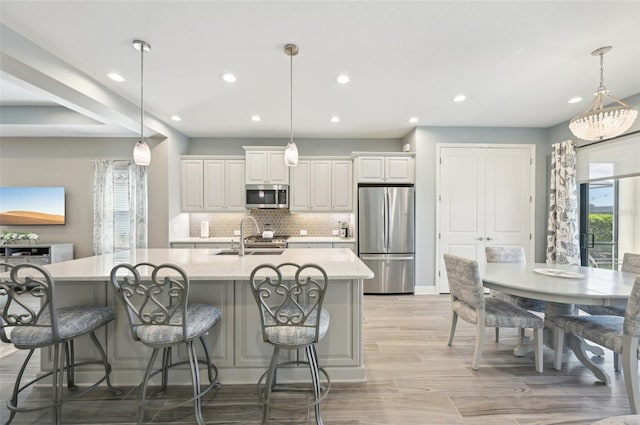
(141, 151)
(291, 152)
(598, 122)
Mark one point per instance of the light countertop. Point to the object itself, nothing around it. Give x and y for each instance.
(217, 239)
(204, 264)
(230, 239)
(326, 239)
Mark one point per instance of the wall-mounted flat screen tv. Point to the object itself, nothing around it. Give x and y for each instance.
(30, 206)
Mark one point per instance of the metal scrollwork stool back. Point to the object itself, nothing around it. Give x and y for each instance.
(160, 316)
(34, 320)
(292, 318)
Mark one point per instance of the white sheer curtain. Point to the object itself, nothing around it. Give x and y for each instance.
(102, 207)
(138, 203)
(104, 210)
(562, 231)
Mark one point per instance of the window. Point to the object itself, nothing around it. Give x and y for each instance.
(121, 211)
(119, 206)
(609, 221)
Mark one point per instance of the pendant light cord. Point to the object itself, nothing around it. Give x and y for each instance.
(141, 92)
(291, 97)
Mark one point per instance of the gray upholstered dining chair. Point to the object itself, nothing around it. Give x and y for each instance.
(511, 254)
(292, 318)
(469, 302)
(30, 319)
(630, 264)
(616, 333)
(156, 299)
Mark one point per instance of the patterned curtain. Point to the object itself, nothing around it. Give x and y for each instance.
(102, 207)
(562, 231)
(138, 205)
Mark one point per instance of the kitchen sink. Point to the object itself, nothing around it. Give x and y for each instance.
(252, 252)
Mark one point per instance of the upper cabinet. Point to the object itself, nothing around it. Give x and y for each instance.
(385, 168)
(213, 184)
(322, 185)
(265, 165)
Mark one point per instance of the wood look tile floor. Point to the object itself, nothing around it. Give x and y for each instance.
(413, 378)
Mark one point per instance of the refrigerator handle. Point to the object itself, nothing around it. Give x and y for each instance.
(386, 220)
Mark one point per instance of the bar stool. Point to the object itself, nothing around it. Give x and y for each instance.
(31, 316)
(292, 318)
(160, 316)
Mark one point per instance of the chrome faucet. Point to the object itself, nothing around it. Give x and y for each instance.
(241, 252)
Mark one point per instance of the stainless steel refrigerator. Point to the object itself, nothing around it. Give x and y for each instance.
(386, 229)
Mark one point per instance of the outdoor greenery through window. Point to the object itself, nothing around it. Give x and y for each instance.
(613, 226)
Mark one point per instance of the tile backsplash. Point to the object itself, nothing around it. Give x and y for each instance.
(282, 222)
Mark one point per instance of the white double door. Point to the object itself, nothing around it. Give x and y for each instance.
(485, 198)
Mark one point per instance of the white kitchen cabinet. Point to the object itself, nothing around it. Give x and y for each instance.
(385, 168)
(322, 185)
(203, 245)
(348, 245)
(265, 165)
(213, 184)
(309, 245)
(192, 184)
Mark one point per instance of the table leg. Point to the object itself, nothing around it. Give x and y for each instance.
(578, 346)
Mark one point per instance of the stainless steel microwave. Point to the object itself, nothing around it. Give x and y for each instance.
(267, 196)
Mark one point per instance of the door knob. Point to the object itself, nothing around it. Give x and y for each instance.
(489, 238)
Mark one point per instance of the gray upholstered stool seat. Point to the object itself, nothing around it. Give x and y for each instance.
(72, 322)
(620, 420)
(297, 335)
(200, 318)
(30, 319)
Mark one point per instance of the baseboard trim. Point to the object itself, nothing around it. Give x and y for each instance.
(425, 290)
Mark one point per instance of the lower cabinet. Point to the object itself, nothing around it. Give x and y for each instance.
(348, 245)
(340, 346)
(40, 254)
(202, 245)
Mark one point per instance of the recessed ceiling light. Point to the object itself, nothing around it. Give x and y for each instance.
(413, 120)
(575, 99)
(343, 79)
(115, 77)
(460, 98)
(255, 118)
(335, 119)
(228, 77)
(176, 118)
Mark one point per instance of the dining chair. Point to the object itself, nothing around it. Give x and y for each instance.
(511, 254)
(31, 319)
(469, 302)
(630, 264)
(618, 334)
(156, 299)
(292, 318)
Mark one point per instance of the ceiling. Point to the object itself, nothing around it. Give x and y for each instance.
(518, 63)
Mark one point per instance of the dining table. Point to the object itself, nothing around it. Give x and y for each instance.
(562, 287)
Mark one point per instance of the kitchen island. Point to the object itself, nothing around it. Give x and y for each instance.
(222, 281)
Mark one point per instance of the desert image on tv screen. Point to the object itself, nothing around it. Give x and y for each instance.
(31, 205)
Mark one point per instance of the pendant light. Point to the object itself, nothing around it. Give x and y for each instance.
(599, 123)
(291, 152)
(141, 151)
